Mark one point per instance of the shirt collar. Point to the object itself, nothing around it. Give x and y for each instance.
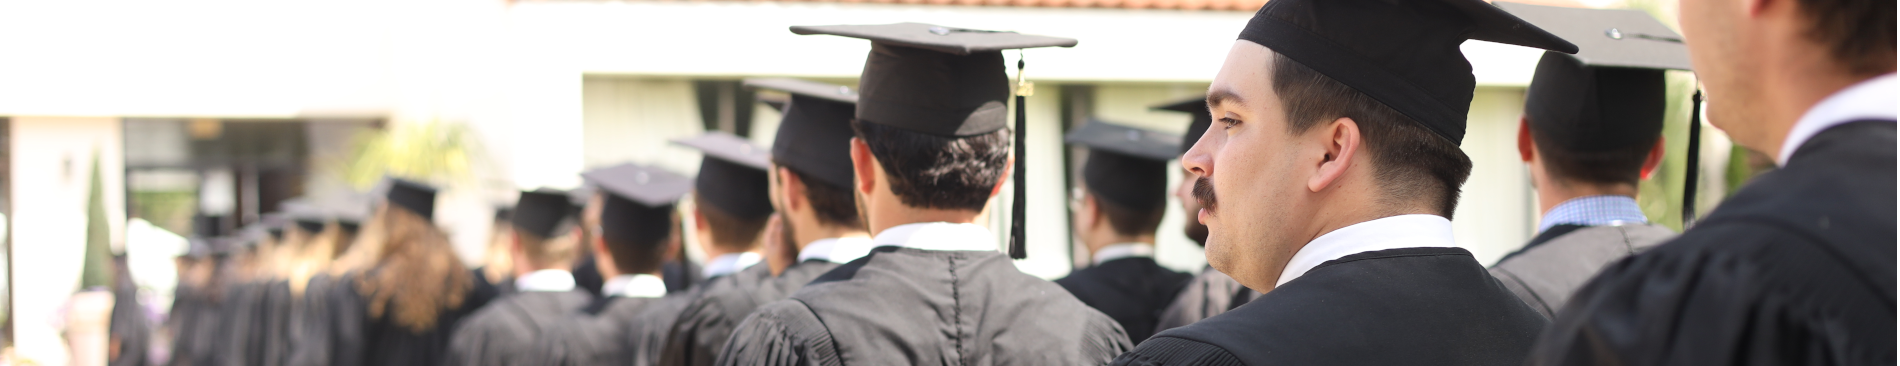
(937, 236)
(1870, 99)
(639, 285)
(726, 264)
(547, 280)
(835, 250)
(1124, 250)
(1402, 231)
(1594, 211)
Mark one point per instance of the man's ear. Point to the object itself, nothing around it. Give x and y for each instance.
(1091, 210)
(1008, 169)
(1526, 149)
(1340, 141)
(791, 191)
(1654, 159)
(699, 219)
(863, 167)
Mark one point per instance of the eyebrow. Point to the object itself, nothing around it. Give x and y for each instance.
(1217, 96)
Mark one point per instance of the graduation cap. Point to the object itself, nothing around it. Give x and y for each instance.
(1405, 54)
(311, 225)
(415, 197)
(943, 81)
(732, 174)
(814, 138)
(1127, 166)
(639, 201)
(544, 213)
(1197, 107)
(1612, 93)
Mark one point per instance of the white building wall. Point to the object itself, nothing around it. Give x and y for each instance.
(51, 174)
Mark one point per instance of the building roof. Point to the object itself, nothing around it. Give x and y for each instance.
(1221, 5)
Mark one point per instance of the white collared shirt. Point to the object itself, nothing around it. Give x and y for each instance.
(937, 236)
(835, 250)
(547, 280)
(1402, 231)
(1870, 99)
(726, 264)
(639, 285)
(1124, 250)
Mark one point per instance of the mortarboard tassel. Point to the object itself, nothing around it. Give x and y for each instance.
(1017, 248)
(1695, 156)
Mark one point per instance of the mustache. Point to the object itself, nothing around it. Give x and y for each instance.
(1204, 193)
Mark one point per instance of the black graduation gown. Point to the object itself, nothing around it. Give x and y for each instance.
(493, 288)
(1409, 306)
(275, 323)
(905, 306)
(237, 343)
(312, 325)
(613, 331)
(706, 323)
(129, 327)
(680, 276)
(183, 321)
(1208, 294)
(1797, 268)
(1133, 291)
(505, 331)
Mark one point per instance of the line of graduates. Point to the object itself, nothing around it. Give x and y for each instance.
(859, 236)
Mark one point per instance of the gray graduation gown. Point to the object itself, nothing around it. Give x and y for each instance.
(505, 331)
(1547, 271)
(906, 306)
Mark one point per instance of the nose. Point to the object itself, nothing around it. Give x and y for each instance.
(1200, 158)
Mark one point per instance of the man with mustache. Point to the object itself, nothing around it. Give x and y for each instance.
(1210, 293)
(1328, 182)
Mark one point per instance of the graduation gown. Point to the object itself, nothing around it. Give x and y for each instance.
(183, 322)
(505, 331)
(705, 324)
(1208, 294)
(312, 325)
(1407, 306)
(1132, 290)
(1555, 263)
(1796, 268)
(237, 343)
(908, 306)
(614, 330)
(275, 319)
(130, 328)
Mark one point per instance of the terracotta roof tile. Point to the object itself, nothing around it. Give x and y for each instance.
(1218, 5)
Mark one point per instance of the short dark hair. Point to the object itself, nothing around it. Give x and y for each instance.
(1128, 221)
(836, 206)
(644, 251)
(1409, 161)
(730, 231)
(1622, 165)
(929, 171)
(1858, 33)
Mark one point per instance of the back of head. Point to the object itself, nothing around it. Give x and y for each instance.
(834, 205)
(410, 249)
(1857, 33)
(636, 234)
(731, 232)
(938, 172)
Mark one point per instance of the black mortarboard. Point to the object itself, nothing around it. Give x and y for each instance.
(814, 138)
(544, 213)
(415, 197)
(1611, 94)
(1197, 107)
(944, 81)
(311, 225)
(732, 174)
(504, 213)
(1127, 166)
(639, 201)
(1404, 54)
(349, 225)
(937, 80)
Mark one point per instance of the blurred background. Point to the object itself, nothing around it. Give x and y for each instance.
(131, 126)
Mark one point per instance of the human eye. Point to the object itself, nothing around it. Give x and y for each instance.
(1228, 122)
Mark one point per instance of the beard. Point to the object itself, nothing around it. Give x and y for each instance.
(1195, 231)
